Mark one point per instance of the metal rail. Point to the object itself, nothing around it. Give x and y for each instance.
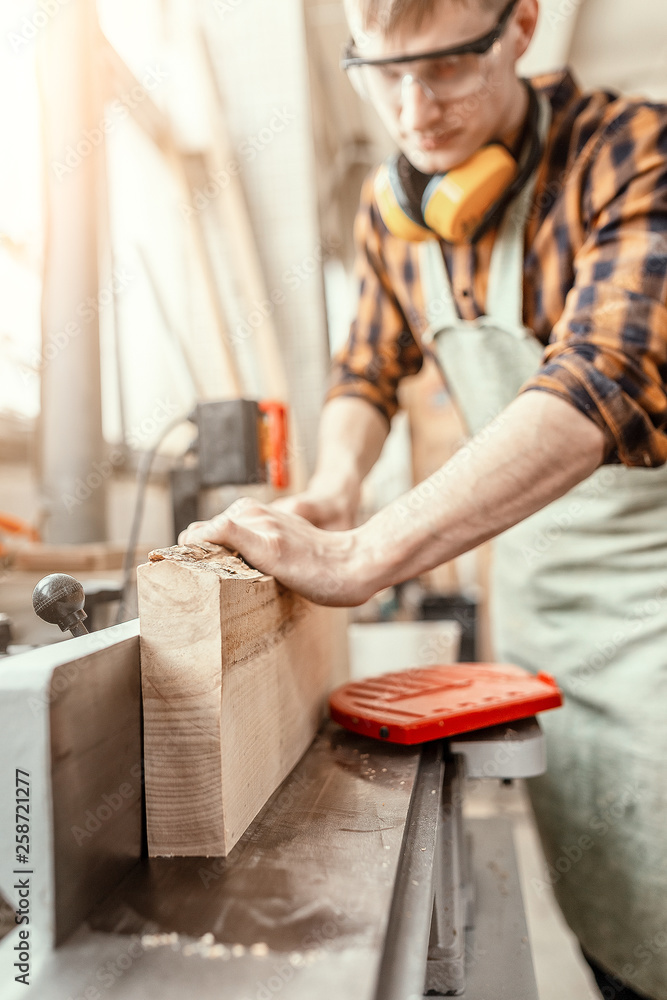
(403, 965)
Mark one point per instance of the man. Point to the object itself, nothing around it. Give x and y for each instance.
(548, 317)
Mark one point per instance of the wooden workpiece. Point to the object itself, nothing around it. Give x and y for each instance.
(235, 669)
(70, 718)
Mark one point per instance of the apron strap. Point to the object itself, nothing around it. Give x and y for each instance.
(504, 303)
(504, 298)
(439, 301)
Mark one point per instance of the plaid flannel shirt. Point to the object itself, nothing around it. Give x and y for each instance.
(595, 276)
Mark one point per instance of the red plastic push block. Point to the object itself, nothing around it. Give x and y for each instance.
(429, 703)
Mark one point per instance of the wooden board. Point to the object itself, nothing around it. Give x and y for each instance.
(235, 670)
(70, 718)
(96, 770)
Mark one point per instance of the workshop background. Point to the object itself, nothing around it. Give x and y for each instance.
(177, 189)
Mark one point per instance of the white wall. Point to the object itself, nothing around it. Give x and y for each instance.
(608, 43)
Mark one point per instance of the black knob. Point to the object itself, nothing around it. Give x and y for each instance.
(59, 599)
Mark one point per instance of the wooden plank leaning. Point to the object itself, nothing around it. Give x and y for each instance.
(70, 719)
(235, 670)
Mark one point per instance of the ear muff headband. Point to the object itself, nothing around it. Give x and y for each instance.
(394, 205)
(464, 203)
(454, 204)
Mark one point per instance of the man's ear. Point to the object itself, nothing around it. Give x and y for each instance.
(524, 24)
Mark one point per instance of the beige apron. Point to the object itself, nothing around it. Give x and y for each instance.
(579, 590)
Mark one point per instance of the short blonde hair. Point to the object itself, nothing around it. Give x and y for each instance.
(387, 15)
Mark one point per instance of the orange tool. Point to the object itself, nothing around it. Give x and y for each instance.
(274, 441)
(429, 703)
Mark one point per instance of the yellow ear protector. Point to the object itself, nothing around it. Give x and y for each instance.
(459, 206)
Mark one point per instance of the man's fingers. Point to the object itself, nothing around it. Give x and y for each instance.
(246, 526)
(204, 531)
(215, 530)
(184, 537)
(311, 561)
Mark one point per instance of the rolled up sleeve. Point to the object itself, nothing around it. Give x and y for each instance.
(608, 352)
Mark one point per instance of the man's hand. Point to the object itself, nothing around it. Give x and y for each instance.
(532, 453)
(323, 507)
(321, 565)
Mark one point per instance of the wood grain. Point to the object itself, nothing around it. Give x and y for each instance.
(96, 770)
(235, 669)
(70, 717)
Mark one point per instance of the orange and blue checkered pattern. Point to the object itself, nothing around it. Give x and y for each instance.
(595, 276)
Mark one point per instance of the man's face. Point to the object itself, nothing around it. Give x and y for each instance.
(438, 133)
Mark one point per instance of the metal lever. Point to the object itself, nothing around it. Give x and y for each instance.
(59, 599)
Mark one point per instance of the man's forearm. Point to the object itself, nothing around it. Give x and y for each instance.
(352, 433)
(533, 453)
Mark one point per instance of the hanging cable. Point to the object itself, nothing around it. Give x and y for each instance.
(143, 472)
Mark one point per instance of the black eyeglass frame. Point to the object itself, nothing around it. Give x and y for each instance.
(477, 46)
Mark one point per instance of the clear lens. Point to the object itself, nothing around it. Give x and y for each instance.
(445, 79)
(456, 73)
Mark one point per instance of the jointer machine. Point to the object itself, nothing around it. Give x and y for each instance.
(358, 879)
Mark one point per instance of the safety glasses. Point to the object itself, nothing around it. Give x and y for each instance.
(443, 74)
